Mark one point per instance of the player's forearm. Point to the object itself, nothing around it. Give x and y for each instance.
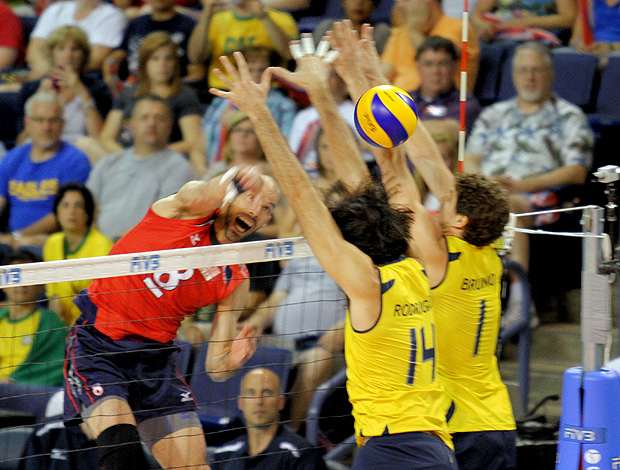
(197, 47)
(314, 217)
(397, 178)
(278, 36)
(426, 157)
(566, 175)
(44, 225)
(347, 158)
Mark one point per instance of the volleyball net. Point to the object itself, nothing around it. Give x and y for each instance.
(300, 339)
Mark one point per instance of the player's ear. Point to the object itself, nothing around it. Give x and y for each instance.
(282, 403)
(461, 221)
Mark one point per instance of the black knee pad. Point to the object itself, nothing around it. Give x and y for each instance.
(120, 448)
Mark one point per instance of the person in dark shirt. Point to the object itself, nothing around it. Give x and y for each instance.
(267, 444)
(437, 97)
(163, 17)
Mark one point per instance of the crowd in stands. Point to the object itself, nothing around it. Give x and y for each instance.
(112, 113)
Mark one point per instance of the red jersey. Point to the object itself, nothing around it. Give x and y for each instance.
(153, 305)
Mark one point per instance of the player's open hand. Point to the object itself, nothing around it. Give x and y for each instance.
(313, 65)
(244, 92)
(243, 347)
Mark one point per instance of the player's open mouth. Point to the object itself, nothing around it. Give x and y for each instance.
(243, 224)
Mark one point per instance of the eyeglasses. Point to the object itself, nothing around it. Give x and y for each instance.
(439, 63)
(527, 70)
(238, 130)
(41, 120)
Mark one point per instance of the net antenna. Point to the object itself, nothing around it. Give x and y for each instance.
(463, 95)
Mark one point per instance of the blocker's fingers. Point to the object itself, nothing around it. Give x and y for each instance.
(219, 74)
(323, 47)
(242, 66)
(229, 67)
(367, 32)
(307, 44)
(331, 56)
(295, 49)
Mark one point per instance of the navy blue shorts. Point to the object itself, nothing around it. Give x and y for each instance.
(144, 374)
(405, 451)
(488, 450)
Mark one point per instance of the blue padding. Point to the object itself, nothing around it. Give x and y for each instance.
(569, 450)
(601, 410)
(590, 429)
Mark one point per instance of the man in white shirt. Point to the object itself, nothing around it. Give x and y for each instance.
(125, 184)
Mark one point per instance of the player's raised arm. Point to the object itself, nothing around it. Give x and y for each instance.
(353, 270)
(313, 75)
(198, 199)
(427, 244)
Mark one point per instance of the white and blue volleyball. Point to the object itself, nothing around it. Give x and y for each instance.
(385, 116)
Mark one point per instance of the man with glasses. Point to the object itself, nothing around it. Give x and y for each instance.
(532, 144)
(437, 97)
(31, 174)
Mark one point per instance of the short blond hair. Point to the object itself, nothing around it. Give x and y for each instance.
(70, 33)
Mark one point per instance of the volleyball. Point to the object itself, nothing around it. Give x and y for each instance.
(385, 116)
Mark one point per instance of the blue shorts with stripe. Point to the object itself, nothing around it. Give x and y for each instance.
(143, 373)
(486, 450)
(405, 451)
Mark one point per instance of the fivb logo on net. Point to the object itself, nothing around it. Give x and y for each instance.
(9, 276)
(279, 249)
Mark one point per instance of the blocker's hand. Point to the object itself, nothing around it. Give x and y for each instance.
(244, 92)
(313, 65)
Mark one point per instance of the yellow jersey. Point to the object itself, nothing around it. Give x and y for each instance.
(391, 377)
(55, 248)
(467, 311)
(229, 33)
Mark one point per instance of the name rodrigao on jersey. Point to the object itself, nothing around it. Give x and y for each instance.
(407, 310)
(478, 283)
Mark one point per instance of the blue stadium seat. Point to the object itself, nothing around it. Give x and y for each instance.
(574, 77)
(333, 9)
(491, 59)
(607, 111)
(9, 103)
(31, 399)
(218, 400)
(13, 446)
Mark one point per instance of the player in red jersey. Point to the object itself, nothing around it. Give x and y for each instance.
(120, 372)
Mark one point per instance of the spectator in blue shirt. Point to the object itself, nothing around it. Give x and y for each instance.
(31, 174)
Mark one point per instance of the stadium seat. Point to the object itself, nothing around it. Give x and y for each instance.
(314, 434)
(218, 400)
(489, 72)
(333, 9)
(607, 111)
(26, 398)
(574, 77)
(13, 443)
(9, 103)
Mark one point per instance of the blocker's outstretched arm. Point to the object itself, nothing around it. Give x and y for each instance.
(313, 75)
(353, 270)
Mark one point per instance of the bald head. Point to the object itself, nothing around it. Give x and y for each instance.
(260, 398)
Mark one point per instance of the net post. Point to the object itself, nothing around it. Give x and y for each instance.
(595, 293)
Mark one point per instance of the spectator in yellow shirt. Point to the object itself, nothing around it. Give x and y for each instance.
(74, 208)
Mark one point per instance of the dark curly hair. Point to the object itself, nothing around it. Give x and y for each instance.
(367, 220)
(485, 203)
